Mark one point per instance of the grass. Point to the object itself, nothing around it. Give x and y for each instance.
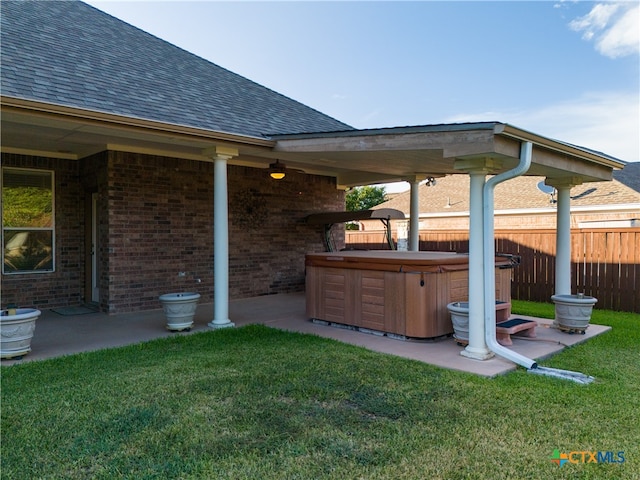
(259, 403)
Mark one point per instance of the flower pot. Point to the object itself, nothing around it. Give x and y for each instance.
(16, 331)
(460, 318)
(179, 309)
(573, 312)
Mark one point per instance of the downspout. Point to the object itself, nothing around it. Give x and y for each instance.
(490, 279)
(489, 259)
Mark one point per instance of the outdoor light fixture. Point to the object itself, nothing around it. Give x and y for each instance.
(277, 170)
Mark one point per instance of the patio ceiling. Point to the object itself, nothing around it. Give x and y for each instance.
(354, 157)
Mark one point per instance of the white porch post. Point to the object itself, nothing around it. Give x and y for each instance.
(563, 241)
(477, 347)
(414, 216)
(221, 239)
(563, 232)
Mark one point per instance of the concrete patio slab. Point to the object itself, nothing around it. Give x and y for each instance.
(57, 335)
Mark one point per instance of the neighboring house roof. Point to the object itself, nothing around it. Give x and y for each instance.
(630, 175)
(450, 194)
(71, 54)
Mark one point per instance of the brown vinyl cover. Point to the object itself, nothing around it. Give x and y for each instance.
(394, 261)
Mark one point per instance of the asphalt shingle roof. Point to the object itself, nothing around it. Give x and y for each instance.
(450, 194)
(629, 175)
(69, 53)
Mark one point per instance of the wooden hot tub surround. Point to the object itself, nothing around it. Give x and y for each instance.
(400, 293)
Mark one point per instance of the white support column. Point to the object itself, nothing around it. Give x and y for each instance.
(563, 232)
(477, 170)
(563, 241)
(477, 347)
(414, 216)
(221, 239)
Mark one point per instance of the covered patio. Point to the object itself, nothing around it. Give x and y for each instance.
(358, 157)
(57, 335)
(179, 183)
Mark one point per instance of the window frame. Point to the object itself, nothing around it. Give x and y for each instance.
(51, 229)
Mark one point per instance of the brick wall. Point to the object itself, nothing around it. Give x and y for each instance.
(64, 286)
(155, 219)
(161, 223)
(268, 237)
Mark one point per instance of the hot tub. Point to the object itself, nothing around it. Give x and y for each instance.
(399, 293)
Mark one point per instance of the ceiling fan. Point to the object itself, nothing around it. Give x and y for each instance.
(278, 170)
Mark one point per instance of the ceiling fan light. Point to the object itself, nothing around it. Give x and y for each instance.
(277, 170)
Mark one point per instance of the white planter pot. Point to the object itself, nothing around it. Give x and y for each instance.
(573, 312)
(16, 332)
(460, 318)
(179, 309)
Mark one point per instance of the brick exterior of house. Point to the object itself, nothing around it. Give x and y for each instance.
(67, 281)
(155, 219)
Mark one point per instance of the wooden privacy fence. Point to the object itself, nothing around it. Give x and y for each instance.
(605, 263)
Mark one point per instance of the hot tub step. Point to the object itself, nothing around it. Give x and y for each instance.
(505, 329)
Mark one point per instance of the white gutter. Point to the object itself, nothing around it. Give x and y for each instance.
(489, 259)
(557, 146)
(98, 119)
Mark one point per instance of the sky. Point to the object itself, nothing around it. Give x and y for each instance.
(568, 70)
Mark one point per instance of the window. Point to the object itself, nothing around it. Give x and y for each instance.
(27, 221)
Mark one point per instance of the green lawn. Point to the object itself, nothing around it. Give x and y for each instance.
(258, 403)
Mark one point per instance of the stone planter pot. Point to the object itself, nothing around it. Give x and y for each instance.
(573, 312)
(179, 309)
(460, 318)
(16, 331)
